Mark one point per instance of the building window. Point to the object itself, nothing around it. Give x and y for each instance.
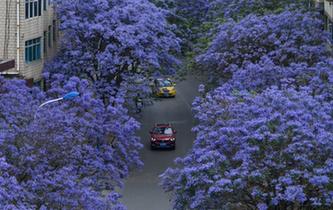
(32, 50)
(33, 8)
(45, 42)
(39, 7)
(54, 27)
(31, 11)
(26, 9)
(49, 36)
(44, 5)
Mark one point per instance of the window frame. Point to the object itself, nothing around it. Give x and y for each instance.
(40, 7)
(33, 50)
(33, 8)
(26, 9)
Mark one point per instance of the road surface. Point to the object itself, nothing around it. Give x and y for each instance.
(142, 190)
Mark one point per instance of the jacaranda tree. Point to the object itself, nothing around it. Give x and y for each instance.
(106, 41)
(264, 138)
(268, 151)
(286, 38)
(64, 155)
(200, 11)
(237, 9)
(195, 11)
(201, 18)
(260, 76)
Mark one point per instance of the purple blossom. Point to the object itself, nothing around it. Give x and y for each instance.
(277, 40)
(257, 151)
(66, 154)
(111, 42)
(262, 206)
(294, 194)
(317, 78)
(239, 8)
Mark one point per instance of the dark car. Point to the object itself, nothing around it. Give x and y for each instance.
(163, 136)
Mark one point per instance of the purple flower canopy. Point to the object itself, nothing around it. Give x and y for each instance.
(73, 154)
(107, 42)
(264, 137)
(272, 148)
(63, 155)
(258, 77)
(284, 39)
(199, 11)
(237, 9)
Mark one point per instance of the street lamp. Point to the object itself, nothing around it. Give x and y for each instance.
(68, 96)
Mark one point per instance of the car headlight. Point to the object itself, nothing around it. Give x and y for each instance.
(153, 139)
(172, 139)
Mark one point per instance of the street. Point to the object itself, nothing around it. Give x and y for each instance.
(142, 190)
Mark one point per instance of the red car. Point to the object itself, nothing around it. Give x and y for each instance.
(163, 136)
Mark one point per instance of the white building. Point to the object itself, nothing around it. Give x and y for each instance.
(28, 36)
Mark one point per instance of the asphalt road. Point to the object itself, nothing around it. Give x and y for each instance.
(142, 190)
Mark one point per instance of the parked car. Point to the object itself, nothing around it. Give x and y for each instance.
(163, 136)
(164, 88)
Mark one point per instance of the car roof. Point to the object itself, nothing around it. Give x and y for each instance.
(163, 79)
(163, 125)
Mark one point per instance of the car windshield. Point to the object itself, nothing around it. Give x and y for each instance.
(163, 130)
(164, 83)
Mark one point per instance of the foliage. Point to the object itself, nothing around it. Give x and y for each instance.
(64, 155)
(271, 150)
(264, 138)
(237, 9)
(195, 11)
(258, 77)
(286, 38)
(195, 15)
(106, 41)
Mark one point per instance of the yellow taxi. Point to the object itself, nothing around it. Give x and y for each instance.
(164, 88)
